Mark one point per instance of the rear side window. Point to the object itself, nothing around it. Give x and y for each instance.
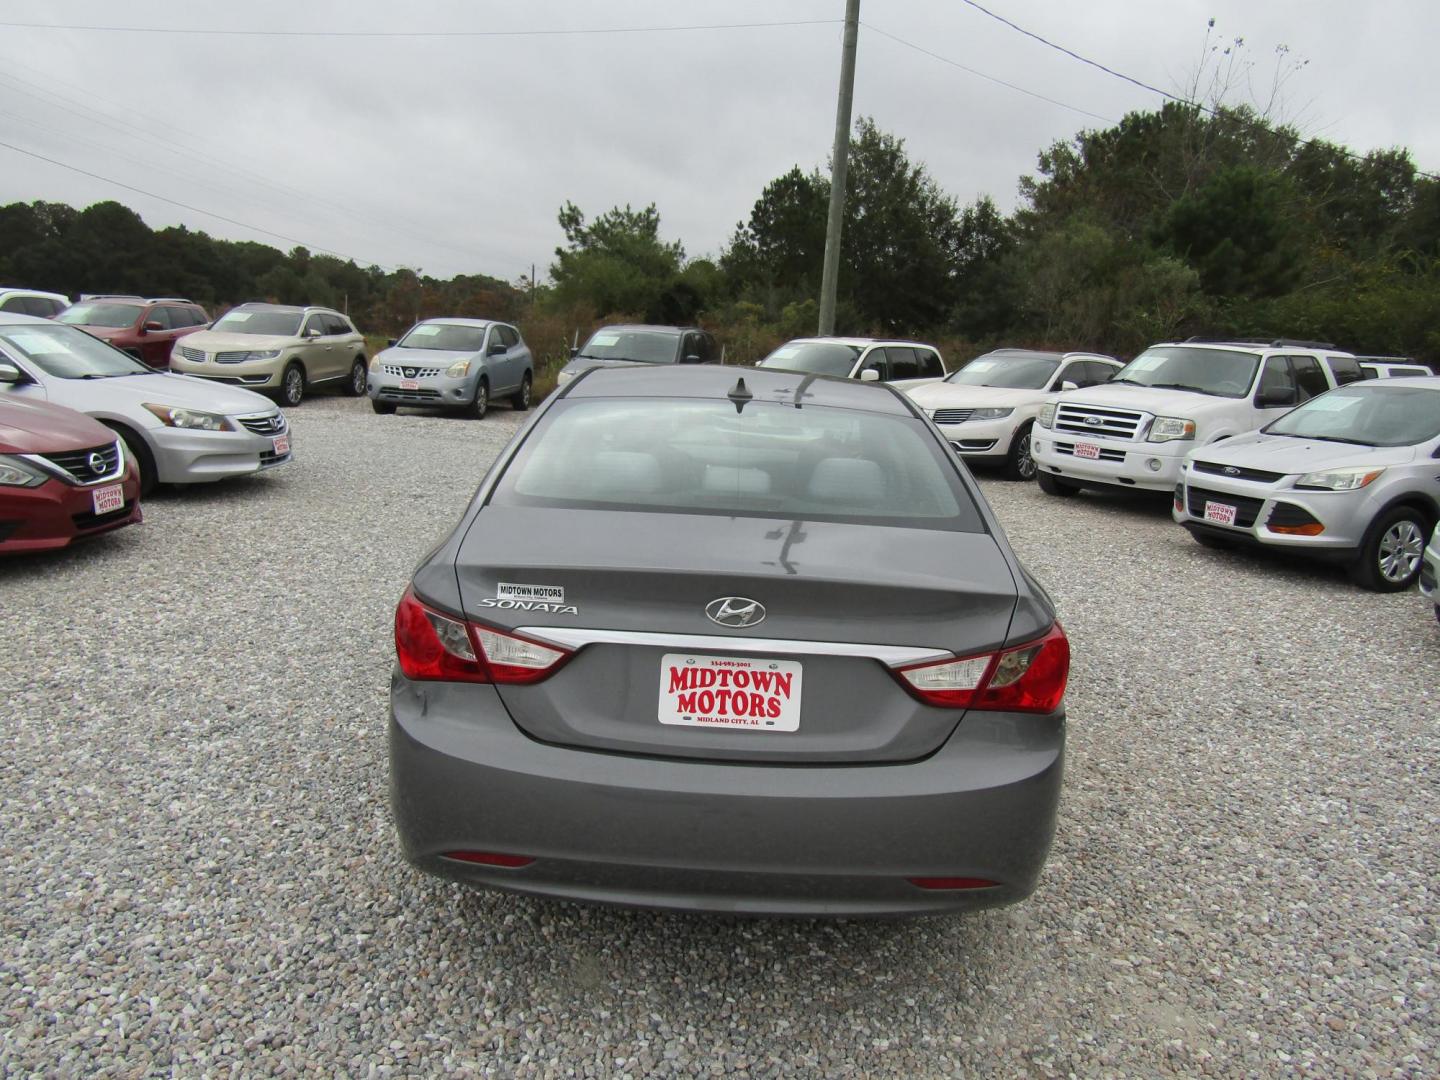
(903, 364)
(930, 365)
(1346, 369)
(1309, 377)
(161, 315)
(701, 457)
(14, 303)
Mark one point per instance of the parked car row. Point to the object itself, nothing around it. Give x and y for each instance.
(139, 427)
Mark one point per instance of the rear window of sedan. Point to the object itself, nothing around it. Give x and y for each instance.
(771, 460)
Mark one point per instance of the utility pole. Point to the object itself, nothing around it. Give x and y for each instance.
(838, 163)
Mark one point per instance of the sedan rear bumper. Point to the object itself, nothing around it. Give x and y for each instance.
(687, 835)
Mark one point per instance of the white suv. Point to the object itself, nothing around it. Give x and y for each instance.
(1135, 430)
(1391, 367)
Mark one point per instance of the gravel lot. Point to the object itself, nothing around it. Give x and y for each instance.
(199, 873)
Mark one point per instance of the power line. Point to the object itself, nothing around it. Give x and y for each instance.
(213, 32)
(990, 78)
(1209, 111)
(187, 206)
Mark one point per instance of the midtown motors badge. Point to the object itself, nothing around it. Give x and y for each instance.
(510, 596)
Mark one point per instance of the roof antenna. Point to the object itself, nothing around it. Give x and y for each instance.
(740, 394)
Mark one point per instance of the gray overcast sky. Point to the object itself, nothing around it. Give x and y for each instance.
(453, 154)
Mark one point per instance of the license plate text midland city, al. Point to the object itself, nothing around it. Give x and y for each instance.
(730, 692)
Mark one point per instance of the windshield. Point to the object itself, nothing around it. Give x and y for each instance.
(444, 338)
(67, 353)
(115, 316)
(267, 323)
(637, 346)
(1218, 372)
(1375, 414)
(1010, 372)
(821, 357)
(701, 457)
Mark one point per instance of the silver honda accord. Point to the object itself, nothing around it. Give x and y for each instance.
(749, 644)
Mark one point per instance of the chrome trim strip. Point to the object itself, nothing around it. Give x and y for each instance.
(578, 637)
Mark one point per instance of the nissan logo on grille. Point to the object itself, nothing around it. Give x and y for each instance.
(410, 372)
(735, 611)
(96, 463)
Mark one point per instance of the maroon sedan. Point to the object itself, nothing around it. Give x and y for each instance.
(63, 476)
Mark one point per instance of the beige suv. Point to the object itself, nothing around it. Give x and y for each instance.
(278, 350)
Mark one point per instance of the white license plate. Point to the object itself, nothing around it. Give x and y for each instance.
(108, 499)
(281, 444)
(409, 384)
(1087, 449)
(1222, 513)
(732, 692)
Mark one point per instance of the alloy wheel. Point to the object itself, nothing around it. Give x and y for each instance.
(1400, 550)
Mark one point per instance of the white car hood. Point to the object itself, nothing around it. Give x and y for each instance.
(1184, 403)
(1285, 454)
(124, 395)
(950, 396)
(220, 341)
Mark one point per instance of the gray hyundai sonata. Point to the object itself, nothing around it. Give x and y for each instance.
(750, 644)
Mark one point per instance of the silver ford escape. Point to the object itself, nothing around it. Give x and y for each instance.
(747, 644)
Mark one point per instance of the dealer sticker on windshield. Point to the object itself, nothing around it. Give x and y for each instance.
(1222, 513)
(729, 692)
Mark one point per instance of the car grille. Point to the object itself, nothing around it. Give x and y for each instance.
(394, 393)
(1106, 453)
(952, 416)
(1098, 420)
(410, 372)
(77, 463)
(273, 424)
(99, 521)
(269, 457)
(1235, 472)
(1247, 509)
(232, 357)
(195, 355)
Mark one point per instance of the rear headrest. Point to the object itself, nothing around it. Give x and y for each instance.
(847, 479)
(625, 472)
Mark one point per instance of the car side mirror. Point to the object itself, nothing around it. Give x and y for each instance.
(312, 333)
(10, 374)
(691, 359)
(153, 324)
(1069, 385)
(1275, 397)
(496, 349)
(870, 375)
(574, 351)
(390, 343)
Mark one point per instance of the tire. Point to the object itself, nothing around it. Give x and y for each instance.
(144, 460)
(1389, 558)
(477, 409)
(1053, 485)
(355, 386)
(384, 408)
(292, 386)
(520, 400)
(1019, 465)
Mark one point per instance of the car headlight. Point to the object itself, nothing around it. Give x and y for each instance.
(1339, 479)
(1170, 428)
(17, 473)
(190, 419)
(1047, 415)
(261, 354)
(459, 369)
(990, 414)
(375, 363)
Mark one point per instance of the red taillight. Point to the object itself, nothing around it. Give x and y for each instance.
(489, 858)
(1026, 678)
(433, 646)
(953, 882)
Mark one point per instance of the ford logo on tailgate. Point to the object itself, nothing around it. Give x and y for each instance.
(735, 611)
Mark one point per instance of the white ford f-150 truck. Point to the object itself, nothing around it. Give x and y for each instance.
(1135, 430)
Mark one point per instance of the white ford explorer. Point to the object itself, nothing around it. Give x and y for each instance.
(1135, 430)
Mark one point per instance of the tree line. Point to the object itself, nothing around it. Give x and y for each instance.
(1178, 221)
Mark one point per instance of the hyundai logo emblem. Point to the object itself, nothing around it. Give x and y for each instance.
(1094, 421)
(735, 611)
(96, 463)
